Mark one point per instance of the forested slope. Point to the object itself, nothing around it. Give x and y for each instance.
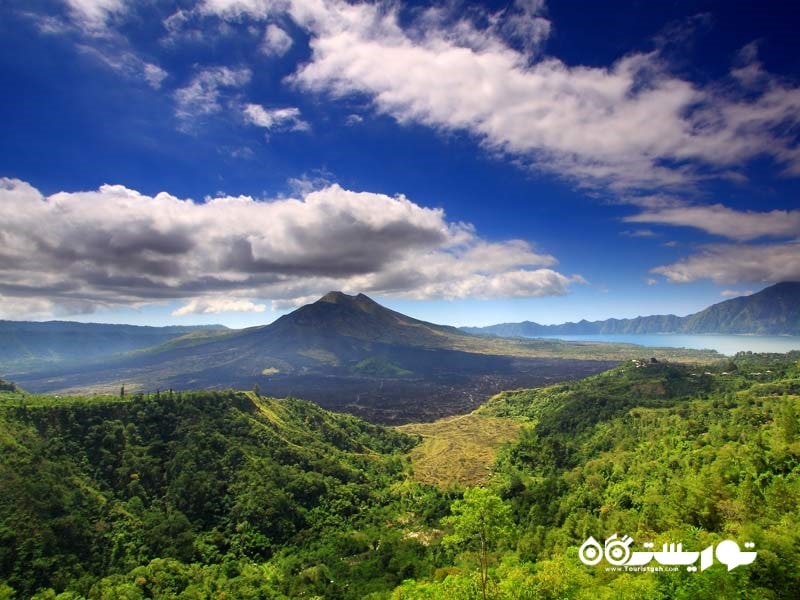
(192, 493)
(664, 453)
(209, 495)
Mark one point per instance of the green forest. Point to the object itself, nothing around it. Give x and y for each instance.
(227, 494)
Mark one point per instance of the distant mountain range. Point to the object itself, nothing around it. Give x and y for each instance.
(772, 311)
(28, 343)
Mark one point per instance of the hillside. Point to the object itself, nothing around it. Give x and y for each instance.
(212, 494)
(27, 344)
(772, 311)
(664, 453)
(152, 495)
(347, 353)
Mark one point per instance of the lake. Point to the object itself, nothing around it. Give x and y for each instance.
(724, 344)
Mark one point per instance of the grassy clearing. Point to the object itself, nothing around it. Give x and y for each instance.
(459, 450)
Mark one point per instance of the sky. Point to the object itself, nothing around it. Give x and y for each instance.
(226, 161)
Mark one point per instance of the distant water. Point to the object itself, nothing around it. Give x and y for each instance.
(724, 344)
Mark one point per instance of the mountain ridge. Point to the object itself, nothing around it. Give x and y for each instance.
(29, 343)
(775, 310)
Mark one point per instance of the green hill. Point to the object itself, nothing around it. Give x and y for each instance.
(663, 453)
(227, 494)
(148, 496)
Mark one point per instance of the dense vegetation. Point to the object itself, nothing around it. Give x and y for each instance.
(663, 453)
(212, 495)
(199, 493)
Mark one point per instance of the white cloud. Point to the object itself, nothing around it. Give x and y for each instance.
(525, 25)
(93, 14)
(727, 222)
(208, 306)
(125, 63)
(735, 293)
(631, 126)
(292, 303)
(626, 125)
(259, 9)
(182, 26)
(50, 25)
(281, 119)
(116, 246)
(276, 41)
(640, 233)
(14, 307)
(154, 75)
(731, 264)
(202, 95)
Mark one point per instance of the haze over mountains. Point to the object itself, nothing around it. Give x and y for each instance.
(344, 352)
(772, 311)
(24, 343)
(350, 353)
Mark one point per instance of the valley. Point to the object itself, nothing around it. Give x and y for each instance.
(347, 353)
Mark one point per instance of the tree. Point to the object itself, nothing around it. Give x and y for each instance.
(481, 520)
(787, 420)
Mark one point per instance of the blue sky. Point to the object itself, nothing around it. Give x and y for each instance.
(227, 160)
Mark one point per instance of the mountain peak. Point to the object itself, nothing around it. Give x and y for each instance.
(355, 317)
(336, 297)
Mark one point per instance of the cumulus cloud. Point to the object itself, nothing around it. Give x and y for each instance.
(730, 264)
(209, 306)
(75, 251)
(276, 41)
(727, 222)
(201, 96)
(281, 119)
